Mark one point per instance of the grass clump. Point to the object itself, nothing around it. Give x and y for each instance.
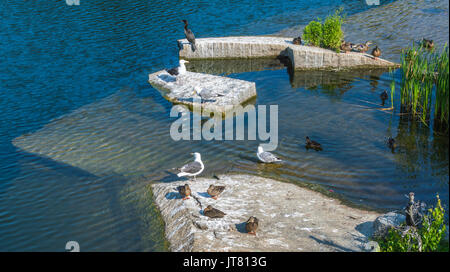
(428, 237)
(313, 33)
(425, 73)
(328, 34)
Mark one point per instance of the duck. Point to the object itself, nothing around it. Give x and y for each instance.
(265, 156)
(384, 96)
(189, 35)
(376, 52)
(194, 168)
(362, 47)
(251, 225)
(297, 41)
(312, 144)
(180, 70)
(213, 212)
(429, 44)
(214, 191)
(185, 191)
(346, 46)
(391, 143)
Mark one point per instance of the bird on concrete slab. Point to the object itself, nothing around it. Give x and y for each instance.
(346, 46)
(214, 191)
(251, 225)
(362, 47)
(213, 212)
(206, 94)
(185, 191)
(194, 168)
(178, 70)
(189, 35)
(376, 52)
(297, 41)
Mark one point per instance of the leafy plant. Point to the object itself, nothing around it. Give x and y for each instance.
(332, 34)
(312, 33)
(427, 238)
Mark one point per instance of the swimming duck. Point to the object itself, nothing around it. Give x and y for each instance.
(346, 46)
(265, 156)
(429, 44)
(376, 52)
(178, 70)
(313, 144)
(384, 96)
(391, 143)
(189, 35)
(297, 41)
(251, 225)
(185, 191)
(213, 212)
(215, 191)
(362, 47)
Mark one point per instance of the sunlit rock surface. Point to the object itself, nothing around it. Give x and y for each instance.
(230, 92)
(301, 56)
(291, 218)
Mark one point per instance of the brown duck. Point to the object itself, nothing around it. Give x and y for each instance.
(185, 191)
(251, 225)
(313, 144)
(363, 47)
(376, 52)
(297, 41)
(213, 212)
(429, 44)
(346, 46)
(391, 143)
(215, 191)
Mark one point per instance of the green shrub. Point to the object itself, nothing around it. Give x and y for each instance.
(430, 234)
(332, 34)
(312, 33)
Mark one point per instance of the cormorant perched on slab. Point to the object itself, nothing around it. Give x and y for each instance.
(189, 35)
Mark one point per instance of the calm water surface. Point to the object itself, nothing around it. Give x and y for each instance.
(82, 132)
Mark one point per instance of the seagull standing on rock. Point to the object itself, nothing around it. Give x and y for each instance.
(178, 70)
(265, 156)
(206, 94)
(194, 168)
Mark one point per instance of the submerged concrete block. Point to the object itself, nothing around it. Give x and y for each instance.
(291, 218)
(180, 90)
(302, 57)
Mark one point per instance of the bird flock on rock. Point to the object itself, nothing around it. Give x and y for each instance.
(196, 167)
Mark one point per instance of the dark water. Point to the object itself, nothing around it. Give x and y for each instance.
(82, 132)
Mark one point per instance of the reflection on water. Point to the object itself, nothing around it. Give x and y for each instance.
(77, 156)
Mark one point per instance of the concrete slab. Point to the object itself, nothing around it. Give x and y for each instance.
(301, 56)
(180, 90)
(291, 218)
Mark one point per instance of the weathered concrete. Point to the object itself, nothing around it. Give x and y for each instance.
(302, 57)
(180, 90)
(291, 218)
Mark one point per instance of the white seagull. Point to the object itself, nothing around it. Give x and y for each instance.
(193, 168)
(206, 94)
(178, 70)
(265, 156)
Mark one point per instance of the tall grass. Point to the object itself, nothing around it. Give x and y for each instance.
(423, 72)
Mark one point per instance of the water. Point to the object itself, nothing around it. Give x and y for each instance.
(82, 133)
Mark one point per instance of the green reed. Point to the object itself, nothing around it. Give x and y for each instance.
(423, 71)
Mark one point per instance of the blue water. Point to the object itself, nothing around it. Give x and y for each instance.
(71, 73)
